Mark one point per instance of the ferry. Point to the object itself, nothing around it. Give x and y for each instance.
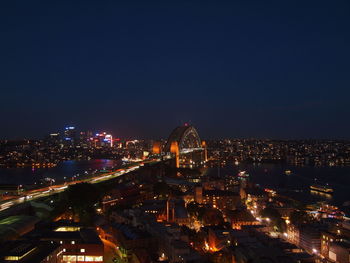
(288, 172)
(322, 188)
(243, 174)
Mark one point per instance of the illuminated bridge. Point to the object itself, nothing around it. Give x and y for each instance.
(186, 146)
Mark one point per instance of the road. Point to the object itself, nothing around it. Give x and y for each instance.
(110, 251)
(54, 189)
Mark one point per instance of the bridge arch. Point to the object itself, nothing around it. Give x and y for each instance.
(186, 137)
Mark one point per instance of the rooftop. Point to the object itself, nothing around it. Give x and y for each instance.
(131, 233)
(26, 251)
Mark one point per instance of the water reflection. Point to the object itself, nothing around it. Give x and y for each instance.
(67, 170)
(321, 194)
(297, 183)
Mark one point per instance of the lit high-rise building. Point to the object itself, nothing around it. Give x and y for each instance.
(53, 139)
(85, 138)
(103, 139)
(69, 135)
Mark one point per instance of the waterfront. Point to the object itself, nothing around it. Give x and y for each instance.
(296, 185)
(272, 176)
(63, 171)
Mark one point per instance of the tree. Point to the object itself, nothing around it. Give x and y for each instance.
(275, 218)
(212, 217)
(299, 217)
(201, 212)
(270, 213)
(192, 209)
(281, 225)
(161, 189)
(81, 198)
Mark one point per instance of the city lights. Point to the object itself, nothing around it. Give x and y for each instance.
(182, 132)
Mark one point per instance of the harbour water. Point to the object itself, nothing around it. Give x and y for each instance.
(297, 183)
(63, 171)
(273, 176)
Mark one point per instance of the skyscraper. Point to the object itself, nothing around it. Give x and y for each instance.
(69, 135)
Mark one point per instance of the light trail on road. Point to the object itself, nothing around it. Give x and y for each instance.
(54, 189)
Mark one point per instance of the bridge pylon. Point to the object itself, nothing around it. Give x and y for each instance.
(174, 148)
(204, 146)
(157, 147)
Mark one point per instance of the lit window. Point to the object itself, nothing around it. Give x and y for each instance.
(89, 258)
(93, 258)
(69, 258)
(67, 229)
(61, 242)
(81, 258)
(82, 250)
(73, 242)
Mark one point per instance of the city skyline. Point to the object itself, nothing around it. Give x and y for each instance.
(60, 132)
(238, 70)
(174, 131)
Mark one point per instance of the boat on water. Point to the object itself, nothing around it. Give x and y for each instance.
(243, 174)
(288, 172)
(322, 188)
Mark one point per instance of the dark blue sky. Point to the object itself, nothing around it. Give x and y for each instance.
(240, 69)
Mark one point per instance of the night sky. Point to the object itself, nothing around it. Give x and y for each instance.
(243, 69)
